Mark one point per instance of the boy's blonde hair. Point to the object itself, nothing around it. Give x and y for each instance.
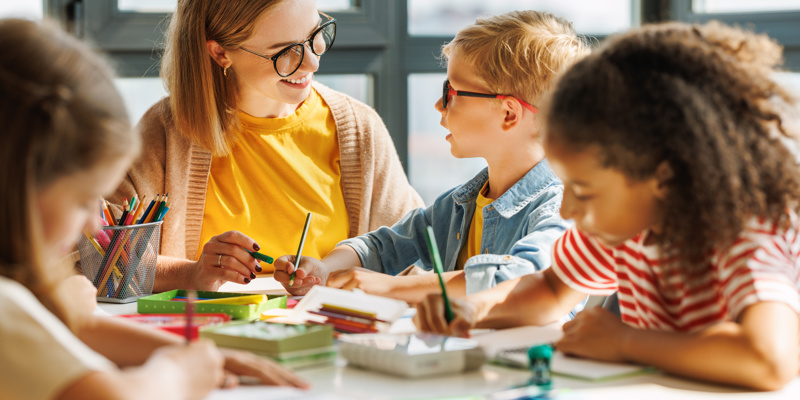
(203, 100)
(518, 53)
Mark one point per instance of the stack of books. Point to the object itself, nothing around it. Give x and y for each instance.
(347, 320)
(294, 346)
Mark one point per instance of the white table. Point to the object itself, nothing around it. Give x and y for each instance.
(355, 383)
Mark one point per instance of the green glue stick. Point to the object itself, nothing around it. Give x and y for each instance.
(540, 357)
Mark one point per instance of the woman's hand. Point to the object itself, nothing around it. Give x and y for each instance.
(594, 333)
(310, 272)
(431, 316)
(224, 259)
(268, 372)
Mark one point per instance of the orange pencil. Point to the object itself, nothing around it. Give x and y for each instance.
(109, 218)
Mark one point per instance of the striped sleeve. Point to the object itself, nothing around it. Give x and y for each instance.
(584, 264)
(761, 266)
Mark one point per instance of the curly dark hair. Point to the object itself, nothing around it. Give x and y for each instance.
(701, 99)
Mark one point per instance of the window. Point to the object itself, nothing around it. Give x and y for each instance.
(446, 17)
(167, 6)
(742, 6)
(28, 9)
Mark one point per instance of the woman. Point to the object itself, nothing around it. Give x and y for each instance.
(247, 144)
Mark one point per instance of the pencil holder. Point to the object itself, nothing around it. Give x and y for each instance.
(121, 261)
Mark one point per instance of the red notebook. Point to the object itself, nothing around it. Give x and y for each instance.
(176, 323)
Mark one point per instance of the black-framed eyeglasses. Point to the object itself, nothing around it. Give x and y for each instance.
(289, 59)
(448, 92)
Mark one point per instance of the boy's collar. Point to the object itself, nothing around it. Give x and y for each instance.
(515, 198)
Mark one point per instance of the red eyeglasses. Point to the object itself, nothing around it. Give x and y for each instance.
(448, 92)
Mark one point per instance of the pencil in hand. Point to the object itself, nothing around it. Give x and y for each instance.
(433, 250)
(191, 297)
(300, 249)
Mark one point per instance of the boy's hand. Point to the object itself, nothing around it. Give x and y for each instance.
(367, 280)
(243, 363)
(594, 333)
(310, 272)
(430, 316)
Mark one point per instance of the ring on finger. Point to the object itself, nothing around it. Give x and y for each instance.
(219, 260)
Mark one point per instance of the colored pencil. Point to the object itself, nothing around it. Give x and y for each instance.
(300, 249)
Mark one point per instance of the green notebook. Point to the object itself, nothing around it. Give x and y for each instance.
(272, 340)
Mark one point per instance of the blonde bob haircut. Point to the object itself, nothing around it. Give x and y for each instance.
(203, 101)
(518, 53)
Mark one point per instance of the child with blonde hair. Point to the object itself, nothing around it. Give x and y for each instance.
(66, 142)
(502, 223)
(670, 146)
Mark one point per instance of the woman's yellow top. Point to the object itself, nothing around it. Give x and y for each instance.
(279, 170)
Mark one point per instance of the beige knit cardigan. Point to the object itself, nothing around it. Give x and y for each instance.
(376, 190)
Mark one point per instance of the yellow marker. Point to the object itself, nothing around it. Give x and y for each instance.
(237, 300)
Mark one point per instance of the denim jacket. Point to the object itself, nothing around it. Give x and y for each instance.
(519, 230)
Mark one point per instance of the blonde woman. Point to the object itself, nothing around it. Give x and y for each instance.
(247, 144)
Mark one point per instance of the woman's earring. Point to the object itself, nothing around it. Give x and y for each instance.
(225, 71)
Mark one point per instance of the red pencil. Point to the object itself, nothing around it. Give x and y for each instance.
(190, 298)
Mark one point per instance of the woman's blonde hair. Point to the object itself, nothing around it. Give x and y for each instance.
(518, 53)
(60, 114)
(203, 100)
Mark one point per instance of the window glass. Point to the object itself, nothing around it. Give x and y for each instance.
(356, 85)
(743, 6)
(431, 168)
(147, 6)
(446, 17)
(165, 6)
(28, 9)
(140, 94)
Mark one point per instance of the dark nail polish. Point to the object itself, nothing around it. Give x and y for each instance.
(252, 276)
(256, 247)
(246, 280)
(258, 268)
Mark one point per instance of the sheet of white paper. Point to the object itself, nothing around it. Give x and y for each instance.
(385, 308)
(267, 392)
(591, 369)
(526, 336)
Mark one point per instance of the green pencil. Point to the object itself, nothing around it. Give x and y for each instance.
(437, 266)
(263, 257)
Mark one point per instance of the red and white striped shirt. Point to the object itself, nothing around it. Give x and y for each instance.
(762, 265)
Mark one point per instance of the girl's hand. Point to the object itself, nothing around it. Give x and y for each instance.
(310, 272)
(430, 316)
(357, 277)
(224, 259)
(76, 298)
(594, 333)
(198, 363)
(268, 372)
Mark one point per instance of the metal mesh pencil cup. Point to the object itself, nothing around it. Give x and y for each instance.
(121, 265)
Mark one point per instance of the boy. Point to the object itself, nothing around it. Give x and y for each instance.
(502, 223)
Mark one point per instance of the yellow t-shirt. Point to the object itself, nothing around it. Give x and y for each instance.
(280, 169)
(473, 245)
